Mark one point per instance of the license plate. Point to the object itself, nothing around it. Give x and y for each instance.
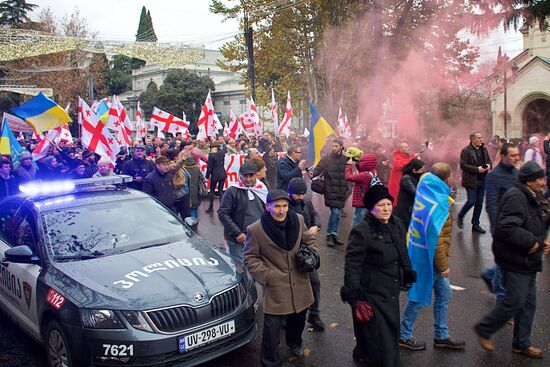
(206, 336)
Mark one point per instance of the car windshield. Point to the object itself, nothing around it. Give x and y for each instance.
(101, 229)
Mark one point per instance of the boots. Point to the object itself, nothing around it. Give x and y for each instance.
(337, 241)
(316, 322)
(330, 242)
(211, 206)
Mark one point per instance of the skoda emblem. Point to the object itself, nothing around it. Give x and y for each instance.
(198, 296)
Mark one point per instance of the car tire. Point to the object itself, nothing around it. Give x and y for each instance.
(57, 346)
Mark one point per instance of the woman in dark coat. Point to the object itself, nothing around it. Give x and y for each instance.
(377, 267)
(407, 189)
(215, 171)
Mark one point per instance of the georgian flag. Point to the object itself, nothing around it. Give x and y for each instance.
(208, 122)
(274, 113)
(168, 123)
(64, 134)
(95, 135)
(43, 147)
(258, 128)
(284, 127)
(235, 126)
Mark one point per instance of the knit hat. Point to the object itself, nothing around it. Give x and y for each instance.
(25, 155)
(533, 139)
(297, 186)
(530, 171)
(367, 162)
(374, 194)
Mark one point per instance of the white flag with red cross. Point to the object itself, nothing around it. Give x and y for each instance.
(64, 134)
(340, 130)
(208, 120)
(258, 128)
(235, 126)
(284, 127)
(95, 136)
(123, 116)
(141, 126)
(347, 127)
(43, 148)
(167, 122)
(274, 113)
(122, 138)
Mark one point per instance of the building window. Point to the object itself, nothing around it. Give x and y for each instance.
(243, 101)
(226, 103)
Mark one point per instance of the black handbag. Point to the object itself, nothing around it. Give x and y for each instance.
(318, 184)
(307, 259)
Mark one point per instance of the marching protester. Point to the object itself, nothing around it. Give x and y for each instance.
(290, 166)
(498, 181)
(377, 267)
(383, 168)
(475, 164)
(261, 175)
(121, 159)
(25, 170)
(103, 168)
(302, 205)
(138, 167)
(401, 156)
(78, 170)
(333, 169)
(533, 152)
(8, 182)
(407, 189)
(432, 218)
(48, 169)
(192, 172)
(89, 160)
(160, 184)
(270, 256)
(242, 204)
(231, 147)
(271, 162)
(362, 180)
(519, 243)
(215, 171)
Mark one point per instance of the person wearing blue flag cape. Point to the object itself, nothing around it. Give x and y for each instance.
(428, 241)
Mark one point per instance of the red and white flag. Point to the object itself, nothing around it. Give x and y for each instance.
(123, 116)
(258, 128)
(168, 123)
(284, 127)
(43, 147)
(340, 130)
(226, 130)
(235, 126)
(208, 120)
(113, 119)
(122, 138)
(95, 135)
(247, 122)
(274, 113)
(64, 134)
(141, 127)
(347, 127)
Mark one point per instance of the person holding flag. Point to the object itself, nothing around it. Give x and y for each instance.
(429, 241)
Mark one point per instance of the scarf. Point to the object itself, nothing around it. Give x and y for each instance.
(284, 234)
(260, 189)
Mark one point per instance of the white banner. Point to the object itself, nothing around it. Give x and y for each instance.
(17, 124)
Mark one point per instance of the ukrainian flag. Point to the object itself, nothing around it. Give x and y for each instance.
(8, 143)
(319, 130)
(42, 113)
(103, 110)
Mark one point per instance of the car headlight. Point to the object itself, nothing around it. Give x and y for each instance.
(136, 319)
(100, 319)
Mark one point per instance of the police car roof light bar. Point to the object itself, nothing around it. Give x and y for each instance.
(59, 187)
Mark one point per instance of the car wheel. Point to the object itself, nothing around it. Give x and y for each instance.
(57, 347)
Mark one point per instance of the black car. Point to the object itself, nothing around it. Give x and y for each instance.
(104, 275)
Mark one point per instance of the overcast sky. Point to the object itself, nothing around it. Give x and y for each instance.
(190, 21)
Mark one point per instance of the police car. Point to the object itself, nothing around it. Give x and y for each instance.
(104, 275)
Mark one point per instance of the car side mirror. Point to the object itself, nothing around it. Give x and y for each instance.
(20, 255)
(192, 223)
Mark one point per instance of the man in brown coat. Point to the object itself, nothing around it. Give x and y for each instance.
(270, 256)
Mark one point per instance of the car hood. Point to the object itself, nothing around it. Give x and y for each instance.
(148, 278)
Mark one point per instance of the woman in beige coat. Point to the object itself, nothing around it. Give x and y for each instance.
(270, 256)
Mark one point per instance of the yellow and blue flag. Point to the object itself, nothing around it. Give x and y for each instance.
(8, 143)
(319, 131)
(42, 113)
(430, 211)
(103, 110)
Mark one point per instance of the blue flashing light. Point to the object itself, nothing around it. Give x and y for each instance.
(53, 188)
(46, 188)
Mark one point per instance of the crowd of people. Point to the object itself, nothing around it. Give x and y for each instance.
(402, 218)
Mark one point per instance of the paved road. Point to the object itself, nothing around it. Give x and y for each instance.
(470, 254)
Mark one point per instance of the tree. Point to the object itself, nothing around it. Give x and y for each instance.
(14, 12)
(182, 91)
(145, 33)
(120, 74)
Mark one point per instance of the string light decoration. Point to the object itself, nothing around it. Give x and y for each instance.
(17, 44)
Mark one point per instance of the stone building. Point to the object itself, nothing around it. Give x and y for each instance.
(520, 100)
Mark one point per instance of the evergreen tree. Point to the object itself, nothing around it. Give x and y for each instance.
(14, 12)
(145, 33)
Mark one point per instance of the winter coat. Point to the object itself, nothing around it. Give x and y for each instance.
(287, 169)
(236, 212)
(305, 208)
(271, 170)
(518, 227)
(498, 181)
(24, 174)
(547, 152)
(377, 265)
(285, 289)
(405, 202)
(333, 168)
(361, 179)
(137, 168)
(193, 170)
(215, 170)
(443, 246)
(8, 187)
(161, 187)
(400, 159)
(469, 165)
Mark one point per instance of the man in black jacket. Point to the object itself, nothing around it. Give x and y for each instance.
(8, 183)
(518, 246)
(242, 204)
(475, 163)
(333, 168)
(302, 205)
(159, 183)
(138, 167)
(290, 166)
